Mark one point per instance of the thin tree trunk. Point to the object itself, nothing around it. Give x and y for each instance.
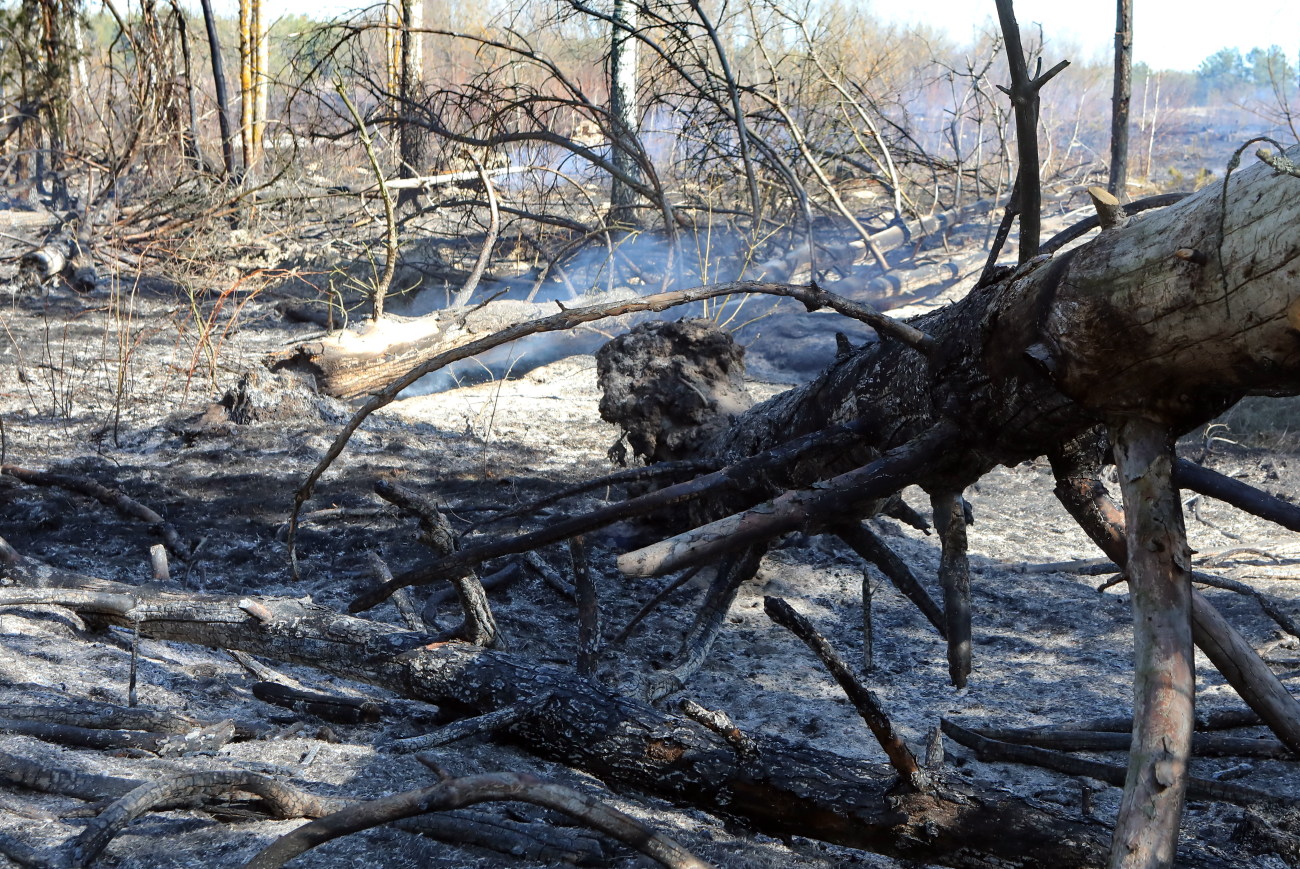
(261, 74)
(1120, 101)
(411, 137)
(624, 122)
(246, 65)
(191, 98)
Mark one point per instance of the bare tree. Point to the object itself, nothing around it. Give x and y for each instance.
(254, 27)
(410, 87)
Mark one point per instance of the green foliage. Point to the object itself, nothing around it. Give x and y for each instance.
(1269, 66)
(1227, 70)
(1223, 70)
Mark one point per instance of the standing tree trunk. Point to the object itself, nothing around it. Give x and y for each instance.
(52, 84)
(246, 82)
(1120, 101)
(252, 82)
(191, 136)
(411, 137)
(223, 92)
(261, 74)
(624, 124)
(1164, 680)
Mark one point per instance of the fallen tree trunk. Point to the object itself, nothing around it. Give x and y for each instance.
(61, 254)
(1156, 326)
(781, 787)
(1167, 319)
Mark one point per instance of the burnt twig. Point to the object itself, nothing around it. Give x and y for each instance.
(990, 750)
(657, 471)
(828, 502)
(330, 707)
(476, 725)
(1243, 496)
(1203, 744)
(479, 626)
(653, 603)
(734, 477)
(866, 544)
(736, 569)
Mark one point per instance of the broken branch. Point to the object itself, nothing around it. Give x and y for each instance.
(848, 494)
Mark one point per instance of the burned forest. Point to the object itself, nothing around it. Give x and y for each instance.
(621, 434)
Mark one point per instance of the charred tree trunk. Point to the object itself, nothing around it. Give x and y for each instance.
(222, 91)
(1123, 93)
(1156, 327)
(412, 139)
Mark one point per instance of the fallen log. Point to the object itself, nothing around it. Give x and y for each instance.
(1153, 328)
(15, 220)
(781, 787)
(1164, 319)
(61, 254)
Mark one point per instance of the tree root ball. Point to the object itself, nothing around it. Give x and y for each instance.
(670, 386)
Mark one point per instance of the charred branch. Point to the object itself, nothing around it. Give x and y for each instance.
(781, 787)
(123, 504)
(911, 776)
(1243, 496)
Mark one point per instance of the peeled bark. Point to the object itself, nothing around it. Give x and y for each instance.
(352, 364)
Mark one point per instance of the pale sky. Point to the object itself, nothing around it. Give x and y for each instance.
(1167, 34)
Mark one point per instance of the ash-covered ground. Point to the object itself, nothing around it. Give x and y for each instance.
(115, 386)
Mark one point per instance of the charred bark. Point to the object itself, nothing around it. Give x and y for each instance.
(1168, 320)
(779, 786)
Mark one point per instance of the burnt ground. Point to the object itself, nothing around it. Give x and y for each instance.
(117, 385)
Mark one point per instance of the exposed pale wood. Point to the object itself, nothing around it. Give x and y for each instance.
(1110, 213)
(1164, 682)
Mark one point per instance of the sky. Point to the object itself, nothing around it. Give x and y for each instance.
(1167, 34)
